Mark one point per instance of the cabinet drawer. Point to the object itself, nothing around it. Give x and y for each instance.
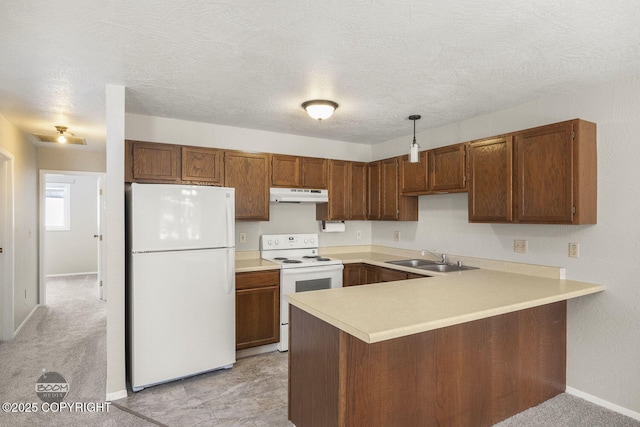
(257, 279)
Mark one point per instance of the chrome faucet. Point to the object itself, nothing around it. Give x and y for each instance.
(441, 255)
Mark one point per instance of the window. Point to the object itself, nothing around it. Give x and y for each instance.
(58, 207)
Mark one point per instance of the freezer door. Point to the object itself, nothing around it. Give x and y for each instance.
(182, 318)
(177, 217)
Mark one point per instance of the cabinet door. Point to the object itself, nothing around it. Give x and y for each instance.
(373, 190)
(371, 274)
(128, 161)
(249, 174)
(414, 178)
(153, 162)
(490, 180)
(339, 190)
(389, 189)
(285, 171)
(257, 309)
(447, 169)
(390, 275)
(203, 165)
(358, 191)
(314, 173)
(544, 175)
(352, 275)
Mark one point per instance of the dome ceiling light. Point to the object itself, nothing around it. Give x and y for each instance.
(319, 109)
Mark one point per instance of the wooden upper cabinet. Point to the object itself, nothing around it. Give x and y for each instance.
(154, 162)
(338, 190)
(358, 191)
(414, 178)
(373, 190)
(447, 169)
(389, 189)
(285, 171)
(128, 161)
(203, 165)
(555, 174)
(249, 174)
(490, 180)
(314, 173)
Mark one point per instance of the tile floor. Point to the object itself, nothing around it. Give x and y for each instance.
(251, 394)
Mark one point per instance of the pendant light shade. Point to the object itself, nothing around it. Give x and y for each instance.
(414, 156)
(319, 109)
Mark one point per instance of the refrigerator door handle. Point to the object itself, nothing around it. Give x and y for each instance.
(230, 221)
(231, 273)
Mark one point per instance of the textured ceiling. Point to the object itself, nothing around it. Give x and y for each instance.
(252, 63)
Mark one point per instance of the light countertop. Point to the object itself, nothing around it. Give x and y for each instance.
(384, 311)
(255, 264)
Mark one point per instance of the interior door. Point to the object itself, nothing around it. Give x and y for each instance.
(101, 252)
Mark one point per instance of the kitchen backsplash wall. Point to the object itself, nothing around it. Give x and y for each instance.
(299, 218)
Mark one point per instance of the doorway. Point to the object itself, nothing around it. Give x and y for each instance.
(71, 238)
(6, 243)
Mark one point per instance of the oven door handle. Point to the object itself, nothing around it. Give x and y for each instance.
(314, 270)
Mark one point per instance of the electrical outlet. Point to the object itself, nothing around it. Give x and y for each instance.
(520, 246)
(358, 234)
(243, 237)
(396, 235)
(574, 250)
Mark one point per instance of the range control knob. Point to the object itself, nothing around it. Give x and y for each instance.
(306, 240)
(269, 242)
(277, 242)
(313, 240)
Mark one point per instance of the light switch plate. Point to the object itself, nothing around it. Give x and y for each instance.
(396, 236)
(520, 246)
(243, 237)
(358, 234)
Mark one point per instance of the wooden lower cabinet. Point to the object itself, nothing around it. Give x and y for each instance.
(473, 374)
(365, 274)
(352, 275)
(257, 308)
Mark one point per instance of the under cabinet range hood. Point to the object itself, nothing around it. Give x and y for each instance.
(299, 195)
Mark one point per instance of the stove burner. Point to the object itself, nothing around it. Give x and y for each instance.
(291, 261)
(311, 256)
(280, 258)
(323, 259)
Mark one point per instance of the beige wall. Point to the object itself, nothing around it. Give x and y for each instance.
(26, 219)
(71, 159)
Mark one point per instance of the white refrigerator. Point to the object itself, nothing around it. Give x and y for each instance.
(180, 281)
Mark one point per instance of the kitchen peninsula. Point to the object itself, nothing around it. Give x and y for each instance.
(466, 349)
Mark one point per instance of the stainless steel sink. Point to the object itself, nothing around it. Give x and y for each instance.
(427, 265)
(415, 263)
(446, 268)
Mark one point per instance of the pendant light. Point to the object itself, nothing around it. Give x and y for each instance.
(414, 156)
(319, 109)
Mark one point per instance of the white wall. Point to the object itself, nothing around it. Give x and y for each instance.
(66, 158)
(284, 218)
(26, 220)
(75, 250)
(603, 330)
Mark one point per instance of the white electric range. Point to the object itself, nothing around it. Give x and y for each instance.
(301, 269)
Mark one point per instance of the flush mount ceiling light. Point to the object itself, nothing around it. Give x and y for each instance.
(413, 151)
(319, 109)
(61, 137)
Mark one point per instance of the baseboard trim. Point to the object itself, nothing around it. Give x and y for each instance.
(116, 395)
(254, 351)
(604, 403)
(87, 273)
(26, 319)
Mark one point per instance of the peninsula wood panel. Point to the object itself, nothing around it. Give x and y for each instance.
(249, 174)
(490, 180)
(473, 374)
